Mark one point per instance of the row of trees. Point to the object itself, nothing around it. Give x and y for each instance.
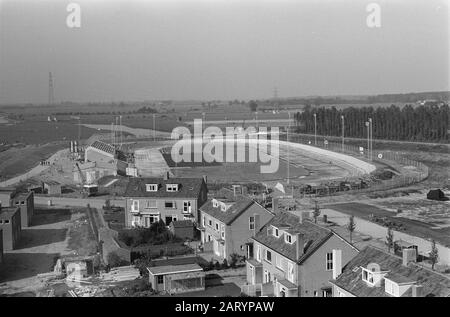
(421, 123)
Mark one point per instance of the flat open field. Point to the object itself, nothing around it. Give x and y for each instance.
(415, 221)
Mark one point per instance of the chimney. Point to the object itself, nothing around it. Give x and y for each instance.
(417, 291)
(409, 255)
(300, 245)
(275, 205)
(257, 224)
(337, 263)
(304, 215)
(269, 230)
(166, 175)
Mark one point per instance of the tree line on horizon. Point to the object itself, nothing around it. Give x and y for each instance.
(419, 123)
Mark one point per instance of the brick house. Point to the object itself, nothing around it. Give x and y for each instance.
(294, 257)
(25, 201)
(11, 227)
(228, 220)
(377, 273)
(148, 200)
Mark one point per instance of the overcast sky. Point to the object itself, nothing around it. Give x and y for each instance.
(220, 49)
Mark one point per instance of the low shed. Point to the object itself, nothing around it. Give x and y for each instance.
(183, 229)
(177, 278)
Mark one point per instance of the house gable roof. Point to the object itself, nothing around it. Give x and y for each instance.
(314, 236)
(433, 283)
(187, 187)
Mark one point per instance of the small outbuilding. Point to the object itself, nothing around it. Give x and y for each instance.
(177, 278)
(52, 187)
(183, 229)
(436, 194)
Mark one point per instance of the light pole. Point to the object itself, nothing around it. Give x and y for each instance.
(287, 144)
(154, 127)
(371, 139)
(343, 129)
(368, 139)
(315, 129)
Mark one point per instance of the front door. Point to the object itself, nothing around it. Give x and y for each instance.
(216, 247)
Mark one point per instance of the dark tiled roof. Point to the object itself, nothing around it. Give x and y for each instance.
(240, 205)
(433, 283)
(182, 223)
(314, 236)
(187, 187)
(105, 147)
(8, 212)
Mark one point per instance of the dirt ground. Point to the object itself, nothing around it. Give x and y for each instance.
(54, 232)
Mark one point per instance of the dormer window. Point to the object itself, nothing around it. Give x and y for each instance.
(172, 187)
(368, 276)
(215, 203)
(275, 232)
(223, 207)
(391, 288)
(288, 238)
(151, 187)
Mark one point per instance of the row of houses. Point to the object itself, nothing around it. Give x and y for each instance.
(287, 255)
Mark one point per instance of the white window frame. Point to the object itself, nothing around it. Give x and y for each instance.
(216, 226)
(288, 237)
(148, 205)
(265, 256)
(251, 223)
(276, 232)
(222, 231)
(172, 187)
(290, 272)
(204, 221)
(279, 262)
(329, 261)
(135, 205)
(151, 187)
(187, 206)
(370, 276)
(258, 253)
(391, 287)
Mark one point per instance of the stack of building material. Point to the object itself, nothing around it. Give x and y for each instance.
(122, 273)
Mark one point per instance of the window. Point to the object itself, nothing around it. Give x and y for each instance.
(251, 223)
(151, 187)
(22, 202)
(217, 226)
(187, 207)
(170, 204)
(288, 238)
(150, 204)
(367, 276)
(279, 262)
(172, 187)
(290, 275)
(204, 221)
(210, 222)
(329, 262)
(1, 222)
(6, 221)
(222, 231)
(258, 253)
(135, 205)
(268, 256)
(391, 288)
(276, 233)
(215, 203)
(160, 279)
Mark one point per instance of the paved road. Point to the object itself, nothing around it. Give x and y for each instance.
(34, 171)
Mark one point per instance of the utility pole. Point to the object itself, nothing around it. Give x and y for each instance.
(368, 139)
(371, 139)
(51, 97)
(315, 129)
(288, 147)
(154, 127)
(343, 129)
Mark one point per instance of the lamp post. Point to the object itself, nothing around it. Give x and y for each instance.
(368, 139)
(343, 129)
(371, 138)
(154, 127)
(288, 148)
(315, 129)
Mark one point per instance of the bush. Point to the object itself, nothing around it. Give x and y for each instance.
(115, 260)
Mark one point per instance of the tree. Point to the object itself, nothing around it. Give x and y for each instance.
(253, 105)
(433, 255)
(351, 226)
(316, 211)
(114, 259)
(390, 238)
